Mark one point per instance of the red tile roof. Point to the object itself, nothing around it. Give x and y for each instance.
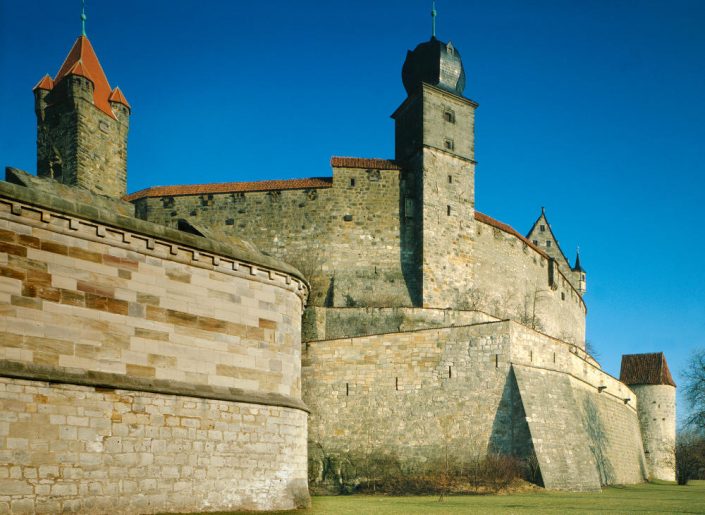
(45, 83)
(231, 187)
(83, 61)
(645, 369)
(481, 217)
(361, 162)
(117, 96)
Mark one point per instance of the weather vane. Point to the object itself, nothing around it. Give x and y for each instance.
(83, 17)
(433, 18)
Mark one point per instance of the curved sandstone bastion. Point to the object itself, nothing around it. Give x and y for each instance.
(143, 369)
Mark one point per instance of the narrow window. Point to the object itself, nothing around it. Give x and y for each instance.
(448, 210)
(450, 179)
(562, 295)
(347, 389)
(449, 144)
(408, 208)
(449, 116)
(450, 372)
(396, 383)
(548, 243)
(542, 228)
(352, 182)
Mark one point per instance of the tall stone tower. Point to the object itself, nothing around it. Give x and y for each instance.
(434, 130)
(82, 125)
(650, 379)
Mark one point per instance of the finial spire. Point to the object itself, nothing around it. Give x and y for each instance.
(83, 17)
(433, 18)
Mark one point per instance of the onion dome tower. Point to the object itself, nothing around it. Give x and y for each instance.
(435, 145)
(650, 379)
(436, 63)
(82, 124)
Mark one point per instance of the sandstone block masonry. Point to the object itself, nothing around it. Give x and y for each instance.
(486, 387)
(143, 369)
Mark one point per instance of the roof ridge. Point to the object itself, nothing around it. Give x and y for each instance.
(232, 187)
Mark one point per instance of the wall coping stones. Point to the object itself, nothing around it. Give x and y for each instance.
(99, 215)
(481, 217)
(98, 379)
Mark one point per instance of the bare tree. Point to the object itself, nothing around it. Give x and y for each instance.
(695, 390)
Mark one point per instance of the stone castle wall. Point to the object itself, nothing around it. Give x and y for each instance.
(69, 448)
(127, 344)
(346, 236)
(510, 279)
(657, 408)
(351, 243)
(375, 394)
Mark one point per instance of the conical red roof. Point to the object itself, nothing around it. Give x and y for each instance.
(45, 83)
(117, 96)
(83, 61)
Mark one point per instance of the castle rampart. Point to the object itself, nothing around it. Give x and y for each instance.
(372, 394)
(143, 368)
(360, 261)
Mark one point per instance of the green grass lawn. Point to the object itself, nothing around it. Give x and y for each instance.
(645, 498)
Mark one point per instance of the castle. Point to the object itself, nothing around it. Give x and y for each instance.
(152, 356)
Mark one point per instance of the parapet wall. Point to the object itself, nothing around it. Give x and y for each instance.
(343, 234)
(512, 279)
(125, 344)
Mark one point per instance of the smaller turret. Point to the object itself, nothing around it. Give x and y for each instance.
(579, 274)
(82, 125)
(650, 379)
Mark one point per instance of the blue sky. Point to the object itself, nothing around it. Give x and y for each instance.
(594, 109)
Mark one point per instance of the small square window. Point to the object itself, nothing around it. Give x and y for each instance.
(548, 243)
(535, 242)
(449, 144)
(449, 116)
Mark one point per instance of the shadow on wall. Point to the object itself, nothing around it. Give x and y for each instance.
(598, 441)
(510, 431)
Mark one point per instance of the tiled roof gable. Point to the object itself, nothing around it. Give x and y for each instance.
(362, 162)
(82, 60)
(645, 369)
(231, 187)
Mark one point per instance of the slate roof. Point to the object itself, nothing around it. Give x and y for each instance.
(645, 369)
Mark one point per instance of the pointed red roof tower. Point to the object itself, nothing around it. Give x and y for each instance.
(82, 125)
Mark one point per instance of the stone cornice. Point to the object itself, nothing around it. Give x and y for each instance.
(97, 379)
(39, 208)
